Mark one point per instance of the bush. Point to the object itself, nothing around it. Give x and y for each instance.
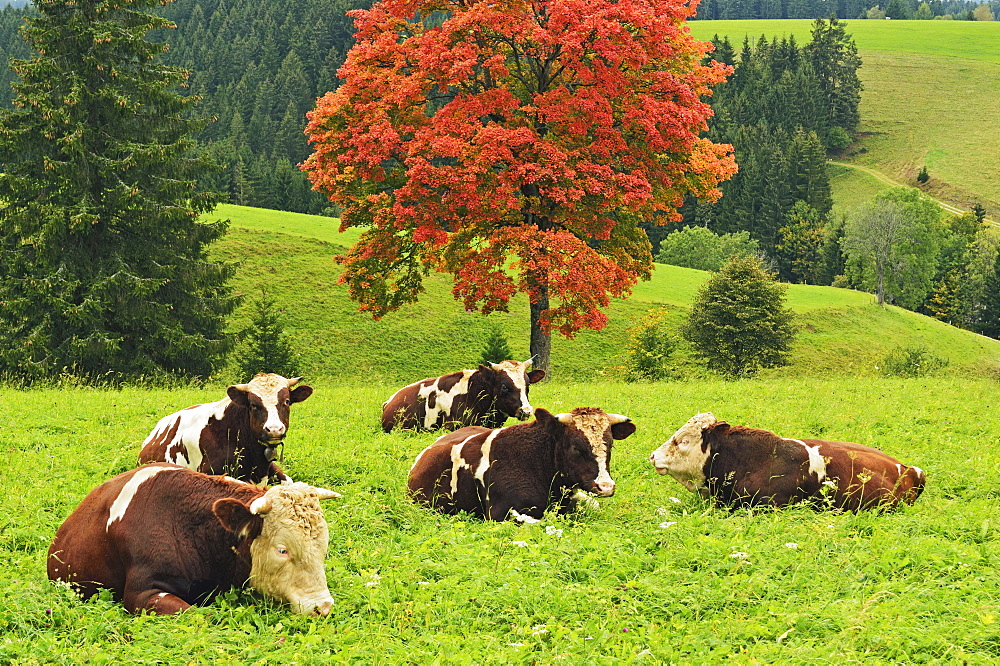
(697, 247)
(497, 349)
(264, 347)
(738, 322)
(923, 176)
(649, 347)
(911, 361)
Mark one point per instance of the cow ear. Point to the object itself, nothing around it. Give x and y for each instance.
(719, 428)
(622, 430)
(543, 416)
(300, 393)
(234, 515)
(536, 376)
(238, 394)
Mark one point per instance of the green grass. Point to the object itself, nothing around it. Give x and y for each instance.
(921, 585)
(929, 89)
(841, 331)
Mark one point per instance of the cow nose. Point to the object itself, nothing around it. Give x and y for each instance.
(274, 432)
(605, 488)
(323, 609)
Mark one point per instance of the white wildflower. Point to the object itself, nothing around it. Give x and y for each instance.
(739, 555)
(792, 545)
(374, 581)
(553, 530)
(662, 511)
(520, 544)
(668, 524)
(539, 629)
(674, 500)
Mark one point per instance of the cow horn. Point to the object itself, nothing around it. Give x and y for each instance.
(241, 387)
(495, 366)
(293, 381)
(323, 493)
(261, 505)
(530, 361)
(565, 418)
(618, 418)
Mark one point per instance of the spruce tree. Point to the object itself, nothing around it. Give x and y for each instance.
(738, 322)
(103, 268)
(990, 316)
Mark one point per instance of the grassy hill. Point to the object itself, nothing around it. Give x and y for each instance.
(291, 257)
(929, 89)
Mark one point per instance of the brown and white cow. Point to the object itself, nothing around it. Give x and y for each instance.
(485, 397)
(741, 466)
(238, 435)
(522, 469)
(162, 537)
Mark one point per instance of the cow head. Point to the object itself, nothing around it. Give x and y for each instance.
(513, 381)
(583, 445)
(683, 456)
(289, 542)
(268, 398)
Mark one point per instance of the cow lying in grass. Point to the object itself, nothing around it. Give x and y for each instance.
(741, 466)
(486, 397)
(162, 537)
(238, 435)
(520, 470)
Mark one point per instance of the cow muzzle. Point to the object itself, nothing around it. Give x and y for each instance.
(604, 488)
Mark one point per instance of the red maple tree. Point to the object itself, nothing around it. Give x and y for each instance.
(517, 145)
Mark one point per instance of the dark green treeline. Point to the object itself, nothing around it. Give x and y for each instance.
(783, 109)
(844, 9)
(259, 67)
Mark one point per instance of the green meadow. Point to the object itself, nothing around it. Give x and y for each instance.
(655, 575)
(930, 90)
(842, 332)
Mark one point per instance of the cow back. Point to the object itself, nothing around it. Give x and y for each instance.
(152, 523)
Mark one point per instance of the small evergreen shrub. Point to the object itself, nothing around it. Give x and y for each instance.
(650, 345)
(497, 349)
(739, 323)
(264, 347)
(923, 176)
(911, 361)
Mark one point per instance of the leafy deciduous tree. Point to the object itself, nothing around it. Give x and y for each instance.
(102, 259)
(892, 244)
(517, 146)
(738, 322)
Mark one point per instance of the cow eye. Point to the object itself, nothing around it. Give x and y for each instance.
(287, 402)
(281, 550)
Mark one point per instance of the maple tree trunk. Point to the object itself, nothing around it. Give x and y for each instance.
(541, 342)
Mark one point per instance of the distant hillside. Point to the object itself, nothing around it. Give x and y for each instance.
(929, 88)
(290, 256)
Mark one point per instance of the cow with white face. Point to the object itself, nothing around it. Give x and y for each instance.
(521, 470)
(163, 538)
(486, 397)
(741, 466)
(238, 435)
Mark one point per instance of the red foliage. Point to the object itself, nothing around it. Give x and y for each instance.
(515, 144)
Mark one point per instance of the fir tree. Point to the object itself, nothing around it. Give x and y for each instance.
(102, 259)
(496, 349)
(738, 322)
(265, 347)
(990, 316)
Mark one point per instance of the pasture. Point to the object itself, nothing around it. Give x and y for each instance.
(929, 87)
(842, 331)
(655, 575)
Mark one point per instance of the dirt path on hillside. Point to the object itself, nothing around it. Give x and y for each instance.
(881, 177)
